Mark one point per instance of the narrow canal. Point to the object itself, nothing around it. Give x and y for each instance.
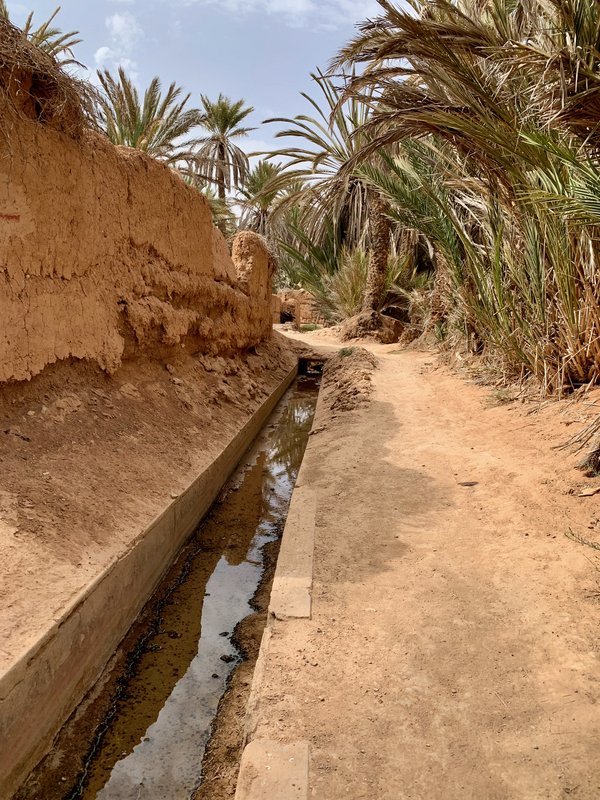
(151, 740)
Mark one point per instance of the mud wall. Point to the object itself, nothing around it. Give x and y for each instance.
(300, 304)
(105, 252)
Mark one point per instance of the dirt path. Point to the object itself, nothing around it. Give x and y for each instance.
(453, 647)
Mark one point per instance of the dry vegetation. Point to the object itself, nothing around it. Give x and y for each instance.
(36, 85)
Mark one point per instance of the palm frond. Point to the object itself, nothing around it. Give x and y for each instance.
(156, 124)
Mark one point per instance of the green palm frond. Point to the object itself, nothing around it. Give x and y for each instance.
(258, 196)
(156, 124)
(324, 143)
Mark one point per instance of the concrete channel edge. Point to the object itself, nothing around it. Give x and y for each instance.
(292, 584)
(40, 691)
(271, 770)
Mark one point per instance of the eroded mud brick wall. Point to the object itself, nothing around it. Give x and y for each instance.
(105, 252)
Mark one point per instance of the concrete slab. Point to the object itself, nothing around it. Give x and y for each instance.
(274, 771)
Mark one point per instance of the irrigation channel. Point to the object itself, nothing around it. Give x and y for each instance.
(148, 728)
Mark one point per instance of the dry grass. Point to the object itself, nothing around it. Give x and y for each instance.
(37, 87)
(578, 441)
(576, 537)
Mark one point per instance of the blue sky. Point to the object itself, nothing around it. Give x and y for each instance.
(261, 50)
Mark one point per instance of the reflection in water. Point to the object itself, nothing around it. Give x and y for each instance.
(154, 743)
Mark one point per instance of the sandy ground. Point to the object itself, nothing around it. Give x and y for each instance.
(453, 648)
(87, 461)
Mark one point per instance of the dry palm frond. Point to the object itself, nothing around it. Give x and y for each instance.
(577, 537)
(581, 439)
(34, 84)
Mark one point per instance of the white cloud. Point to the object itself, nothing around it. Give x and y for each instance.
(355, 10)
(323, 13)
(125, 33)
(125, 30)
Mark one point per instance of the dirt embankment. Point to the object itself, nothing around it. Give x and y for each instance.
(347, 379)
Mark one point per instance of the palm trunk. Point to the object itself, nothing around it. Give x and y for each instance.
(222, 166)
(381, 226)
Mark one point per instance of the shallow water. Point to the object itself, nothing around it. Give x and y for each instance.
(153, 744)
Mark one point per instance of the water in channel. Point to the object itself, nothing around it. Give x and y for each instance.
(153, 743)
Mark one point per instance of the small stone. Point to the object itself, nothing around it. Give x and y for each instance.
(228, 659)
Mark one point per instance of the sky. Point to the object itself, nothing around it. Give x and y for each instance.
(259, 50)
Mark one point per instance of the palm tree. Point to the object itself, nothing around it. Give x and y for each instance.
(259, 195)
(326, 144)
(48, 38)
(332, 191)
(157, 125)
(220, 160)
(502, 98)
